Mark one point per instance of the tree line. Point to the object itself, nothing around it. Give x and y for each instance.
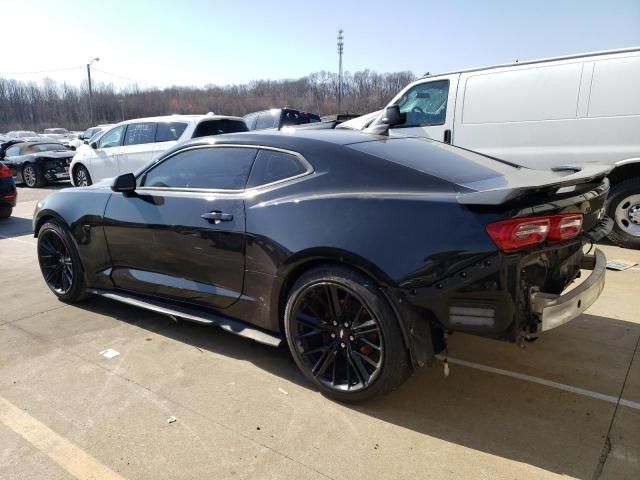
(35, 106)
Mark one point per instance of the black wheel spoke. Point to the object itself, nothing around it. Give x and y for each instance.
(325, 360)
(359, 369)
(311, 322)
(359, 356)
(53, 273)
(333, 300)
(369, 343)
(55, 262)
(366, 328)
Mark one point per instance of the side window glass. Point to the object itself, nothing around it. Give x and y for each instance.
(139, 133)
(271, 166)
(112, 138)
(170, 131)
(267, 120)
(425, 104)
(219, 168)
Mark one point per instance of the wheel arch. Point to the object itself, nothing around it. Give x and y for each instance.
(410, 326)
(624, 170)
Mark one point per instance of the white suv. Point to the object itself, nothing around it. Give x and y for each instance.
(129, 145)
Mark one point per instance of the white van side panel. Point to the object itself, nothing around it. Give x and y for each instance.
(570, 111)
(528, 94)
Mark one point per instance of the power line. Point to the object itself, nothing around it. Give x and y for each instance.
(125, 78)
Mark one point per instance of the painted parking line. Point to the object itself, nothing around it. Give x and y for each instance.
(75, 461)
(542, 381)
(17, 240)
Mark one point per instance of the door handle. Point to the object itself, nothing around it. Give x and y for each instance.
(447, 136)
(217, 217)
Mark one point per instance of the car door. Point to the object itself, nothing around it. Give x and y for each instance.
(182, 234)
(104, 161)
(138, 146)
(429, 109)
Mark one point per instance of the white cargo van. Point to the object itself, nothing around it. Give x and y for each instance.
(541, 114)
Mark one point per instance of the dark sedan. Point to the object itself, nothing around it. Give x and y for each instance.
(8, 193)
(35, 163)
(362, 251)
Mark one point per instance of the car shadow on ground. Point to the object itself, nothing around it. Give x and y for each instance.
(529, 423)
(15, 227)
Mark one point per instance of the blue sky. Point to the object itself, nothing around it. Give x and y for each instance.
(187, 42)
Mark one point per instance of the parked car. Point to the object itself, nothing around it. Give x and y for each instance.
(21, 134)
(35, 163)
(83, 138)
(575, 110)
(277, 118)
(358, 249)
(131, 144)
(8, 192)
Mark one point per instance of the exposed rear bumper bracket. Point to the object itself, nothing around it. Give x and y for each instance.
(555, 310)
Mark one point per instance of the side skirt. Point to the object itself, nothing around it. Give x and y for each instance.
(230, 325)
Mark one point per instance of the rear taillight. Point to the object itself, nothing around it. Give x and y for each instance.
(564, 227)
(518, 233)
(4, 171)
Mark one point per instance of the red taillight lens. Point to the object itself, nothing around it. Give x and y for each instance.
(518, 233)
(511, 235)
(4, 171)
(564, 227)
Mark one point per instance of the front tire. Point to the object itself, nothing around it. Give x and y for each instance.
(344, 336)
(81, 177)
(60, 263)
(32, 176)
(5, 212)
(623, 206)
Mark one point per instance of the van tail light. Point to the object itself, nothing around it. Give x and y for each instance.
(4, 171)
(519, 233)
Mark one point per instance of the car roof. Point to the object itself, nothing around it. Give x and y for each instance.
(184, 118)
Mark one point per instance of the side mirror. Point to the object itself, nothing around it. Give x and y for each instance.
(393, 116)
(125, 183)
(94, 145)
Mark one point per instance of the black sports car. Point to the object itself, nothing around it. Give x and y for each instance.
(35, 163)
(362, 251)
(8, 193)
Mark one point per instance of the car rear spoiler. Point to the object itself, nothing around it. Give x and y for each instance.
(531, 182)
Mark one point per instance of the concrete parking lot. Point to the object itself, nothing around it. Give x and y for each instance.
(566, 405)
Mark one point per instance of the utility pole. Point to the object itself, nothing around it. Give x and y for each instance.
(90, 90)
(340, 50)
(121, 102)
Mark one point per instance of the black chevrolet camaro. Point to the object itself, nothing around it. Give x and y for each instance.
(362, 251)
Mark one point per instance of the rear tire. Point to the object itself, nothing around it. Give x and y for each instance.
(623, 206)
(32, 176)
(60, 263)
(344, 336)
(5, 212)
(81, 177)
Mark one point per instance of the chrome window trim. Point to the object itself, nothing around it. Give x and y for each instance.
(308, 171)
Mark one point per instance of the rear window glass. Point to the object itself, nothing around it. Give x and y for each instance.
(268, 119)
(46, 147)
(449, 163)
(218, 127)
(170, 131)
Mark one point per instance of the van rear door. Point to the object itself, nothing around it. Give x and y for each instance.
(429, 107)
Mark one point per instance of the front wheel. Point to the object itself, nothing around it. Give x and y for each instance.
(32, 176)
(81, 177)
(60, 263)
(344, 336)
(623, 206)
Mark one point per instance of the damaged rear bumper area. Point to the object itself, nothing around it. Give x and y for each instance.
(555, 310)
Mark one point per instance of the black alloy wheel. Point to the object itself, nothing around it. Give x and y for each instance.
(59, 263)
(344, 336)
